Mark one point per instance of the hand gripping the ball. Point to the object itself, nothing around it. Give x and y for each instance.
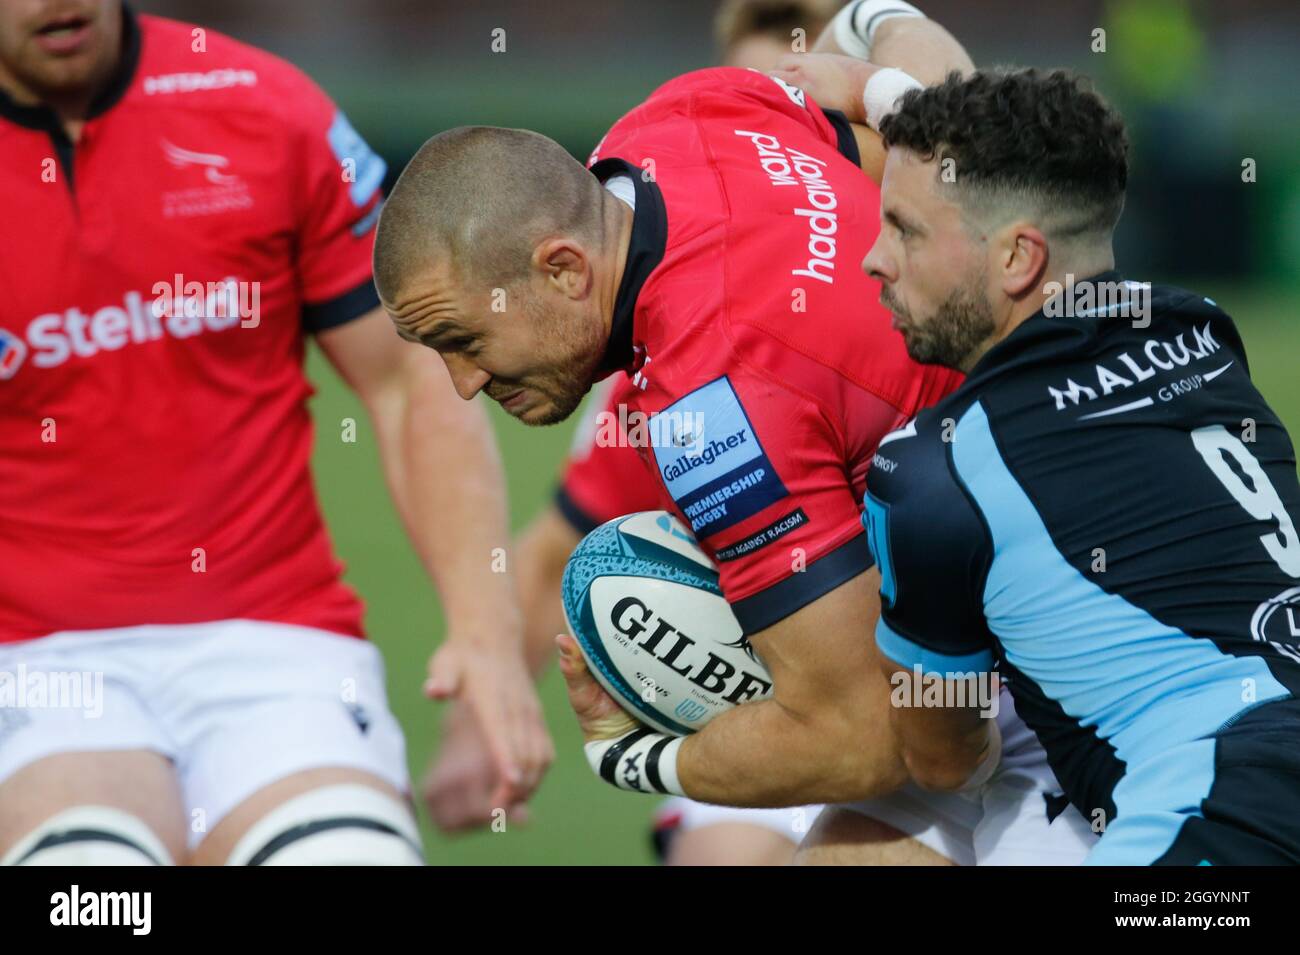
(599, 715)
(622, 751)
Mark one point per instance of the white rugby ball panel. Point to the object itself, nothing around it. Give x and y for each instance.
(644, 606)
(660, 529)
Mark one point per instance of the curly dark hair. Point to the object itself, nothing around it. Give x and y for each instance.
(1026, 131)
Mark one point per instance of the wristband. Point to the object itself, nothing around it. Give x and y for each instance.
(854, 27)
(641, 761)
(989, 764)
(882, 92)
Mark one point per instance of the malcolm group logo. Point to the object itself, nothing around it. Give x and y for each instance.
(1126, 370)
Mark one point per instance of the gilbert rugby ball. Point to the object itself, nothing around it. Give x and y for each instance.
(642, 601)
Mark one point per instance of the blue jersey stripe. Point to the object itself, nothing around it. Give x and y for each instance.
(908, 653)
(1177, 781)
(1144, 685)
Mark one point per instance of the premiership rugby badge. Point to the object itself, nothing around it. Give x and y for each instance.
(714, 466)
(12, 352)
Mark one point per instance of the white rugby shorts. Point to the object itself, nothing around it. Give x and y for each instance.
(234, 704)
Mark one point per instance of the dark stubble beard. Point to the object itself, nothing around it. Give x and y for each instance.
(572, 354)
(951, 336)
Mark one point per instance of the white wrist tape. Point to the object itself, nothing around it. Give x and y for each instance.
(642, 761)
(855, 25)
(989, 764)
(883, 91)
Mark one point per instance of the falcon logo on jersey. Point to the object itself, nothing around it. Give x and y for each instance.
(225, 192)
(12, 352)
(723, 476)
(211, 163)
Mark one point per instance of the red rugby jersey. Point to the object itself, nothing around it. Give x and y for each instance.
(752, 337)
(604, 479)
(154, 435)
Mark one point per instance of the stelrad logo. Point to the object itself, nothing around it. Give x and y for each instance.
(180, 311)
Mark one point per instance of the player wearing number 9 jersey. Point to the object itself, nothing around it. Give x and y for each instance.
(1105, 509)
(1112, 518)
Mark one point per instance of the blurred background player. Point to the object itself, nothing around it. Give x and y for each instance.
(600, 484)
(198, 208)
(755, 34)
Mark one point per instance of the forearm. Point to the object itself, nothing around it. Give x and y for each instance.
(765, 754)
(444, 472)
(916, 45)
(942, 746)
(921, 48)
(542, 551)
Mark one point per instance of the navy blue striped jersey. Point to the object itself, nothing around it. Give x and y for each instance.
(1106, 512)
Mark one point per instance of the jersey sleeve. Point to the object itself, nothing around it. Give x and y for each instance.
(604, 476)
(933, 551)
(743, 96)
(759, 474)
(338, 178)
(771, 93)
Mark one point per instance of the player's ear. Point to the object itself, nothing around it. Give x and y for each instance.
(565, 265)
(1021, 251)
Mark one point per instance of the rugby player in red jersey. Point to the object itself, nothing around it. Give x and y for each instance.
(603, 480)
(711, 252)
(192, 210)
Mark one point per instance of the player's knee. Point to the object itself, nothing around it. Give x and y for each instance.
(345, 824)
(730, 844)
(90, 836)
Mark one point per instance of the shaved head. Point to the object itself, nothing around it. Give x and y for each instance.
(504, 253)
(480, 199)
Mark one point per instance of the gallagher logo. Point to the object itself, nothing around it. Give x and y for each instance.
(12, 352)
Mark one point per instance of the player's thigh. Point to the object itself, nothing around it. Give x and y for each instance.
(140, 783)
(261, 711)
(730, 843)
(687, 832)
(841, 836)
(329, 815)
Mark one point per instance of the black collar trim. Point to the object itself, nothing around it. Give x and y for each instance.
(42, 117)
(1027, 331)
(644, 253)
